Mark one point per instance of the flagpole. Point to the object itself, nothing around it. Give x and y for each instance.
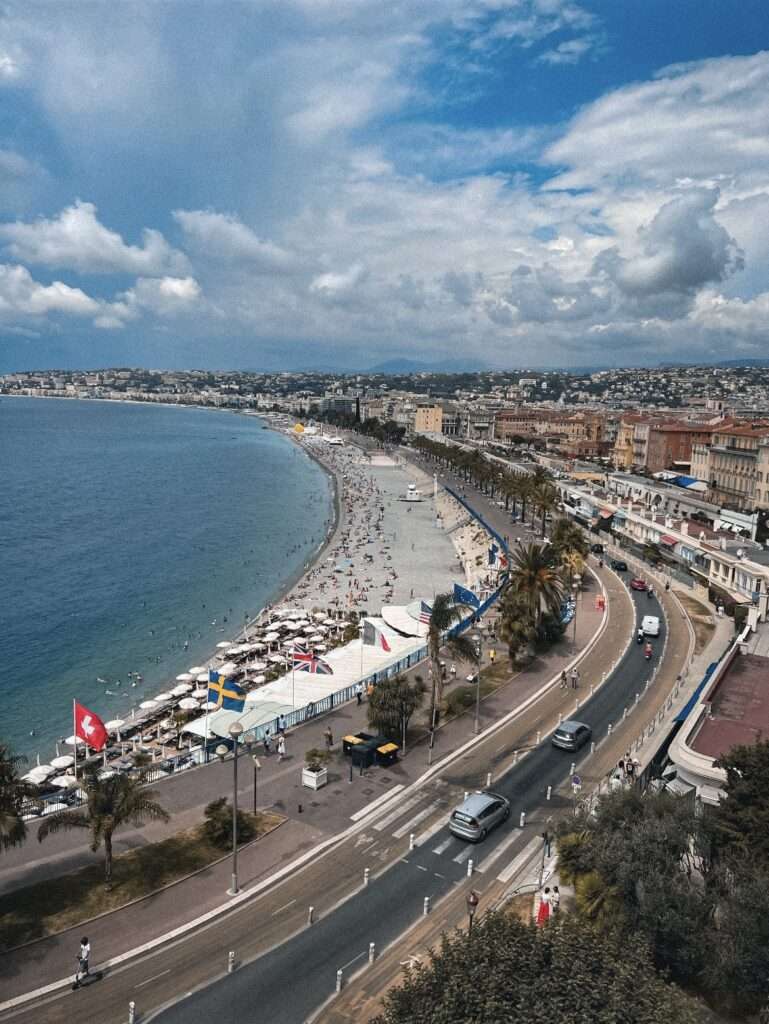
(74, 732)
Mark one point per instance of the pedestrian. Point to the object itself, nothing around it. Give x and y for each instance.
(281, 724)
(574, 679)
(329, 737)
(630, 766)
(281, 747)
(369, 690)
(310, 711)
(85, 955)
(543, 913)
(359, 693)
(564, 680)
(267, 742)
(555, 900)
(443, 671)
(453, 671)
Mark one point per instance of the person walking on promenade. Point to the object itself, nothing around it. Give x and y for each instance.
(555, 900)
(329, 737)
(564, 680)
(453, 671)
(281, 747)
(267, 742)
(359, 694)
(543, 913)
(574, 678)
(82, 961)
(281, 724)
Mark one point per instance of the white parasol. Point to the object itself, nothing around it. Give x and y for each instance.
(73, 741)
(181, 689)
(201, 692)
(64, 761)
(161, 697)
(114, 725)
(148, 705)
(222, 644)
(258, 666)
(183, 677)
(202, 677)
(276, 659)
(196, 669)
(227, 668)
(210, 705)
(65, 782)
(188, 704)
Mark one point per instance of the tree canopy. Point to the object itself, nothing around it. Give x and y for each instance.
(568, 973)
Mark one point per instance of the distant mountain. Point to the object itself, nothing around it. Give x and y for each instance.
(742, 362)
(398, 367)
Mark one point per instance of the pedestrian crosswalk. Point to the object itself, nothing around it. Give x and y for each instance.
(501, 856)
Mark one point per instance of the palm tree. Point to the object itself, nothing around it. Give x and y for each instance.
(13, 794)
(546, 498)
(534, 575)
(110, 803)
(567, 537)
(445, 614)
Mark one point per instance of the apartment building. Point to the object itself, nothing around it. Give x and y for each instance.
(428, 419)
(730, 465)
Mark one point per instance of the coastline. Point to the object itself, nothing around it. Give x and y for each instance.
(329, 524)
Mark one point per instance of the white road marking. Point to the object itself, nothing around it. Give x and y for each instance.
(463, 855)
(397, 813)
(281, 909)
(428, 833)
(354, 960)
(153, 978)
(375, 803)
(421, 867)
(495, 854)
(443, 845)
(520, 862)
(424, 813)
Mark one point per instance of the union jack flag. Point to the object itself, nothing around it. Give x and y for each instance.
(310, 662)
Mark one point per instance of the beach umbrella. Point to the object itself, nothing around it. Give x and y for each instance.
(197, 669)
(183, 677)
(73, 741)
(258, 647)
(316, 638)
(227, 668)
(319, 615)
(200, 692)
(260, 679)
(210, 705)
(64, 761)
(148, 705)
(308, 629)
(201, 677)
(181, 689)
(271, 637)
(163, 697)
(257, 666)
(114, 725)
(188, 704)
(231, 652)
(65, 782)
(223, 643)
(321, 647)
(277, 659)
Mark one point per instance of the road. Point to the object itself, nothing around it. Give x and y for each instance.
(380, 912)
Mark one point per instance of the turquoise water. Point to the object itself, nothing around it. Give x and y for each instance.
(133, 538)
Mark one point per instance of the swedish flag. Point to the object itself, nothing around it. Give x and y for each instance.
(225, 693)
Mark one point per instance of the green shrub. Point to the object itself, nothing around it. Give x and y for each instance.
(217, 827)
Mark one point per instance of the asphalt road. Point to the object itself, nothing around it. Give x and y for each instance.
(287, 984)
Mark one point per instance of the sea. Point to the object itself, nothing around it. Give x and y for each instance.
(133, 538)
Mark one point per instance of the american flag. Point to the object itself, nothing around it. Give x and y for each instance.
(310, 662)
(425, 612)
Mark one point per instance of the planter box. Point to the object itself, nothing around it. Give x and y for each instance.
(314, 780)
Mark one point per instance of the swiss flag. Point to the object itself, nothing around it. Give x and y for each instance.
(89, 727)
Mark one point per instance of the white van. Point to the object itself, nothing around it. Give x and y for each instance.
(650, 625)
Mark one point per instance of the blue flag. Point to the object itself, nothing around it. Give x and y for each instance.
(464, 596)
(225, 693)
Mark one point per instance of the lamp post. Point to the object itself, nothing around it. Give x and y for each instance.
(236, 731)
(478, 641)
(575, 590)
(472, 906)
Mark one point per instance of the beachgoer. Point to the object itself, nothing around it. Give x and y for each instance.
(85, 954)
(267, 742)
(281, 747)
(453, 671)
(555, 900)
(329, 737)
(359, 694)
(564, 680)
(574, 679)
(281, 724)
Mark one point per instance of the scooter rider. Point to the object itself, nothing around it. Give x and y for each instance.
(640, 635)
(648, 651)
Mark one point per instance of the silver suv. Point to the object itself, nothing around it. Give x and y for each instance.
(478, 815)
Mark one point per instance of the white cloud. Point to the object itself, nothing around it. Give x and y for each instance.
(334, 286)
(78, 241)
(165, 296)
(569, 52)
(224, 237)
(21, 295)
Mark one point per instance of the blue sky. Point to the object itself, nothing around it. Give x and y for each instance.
(339, 182)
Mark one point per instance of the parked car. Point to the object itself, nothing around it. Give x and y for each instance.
(618, 565)
(478, 815)
(571, 735)
(597, 549)
(637, 583)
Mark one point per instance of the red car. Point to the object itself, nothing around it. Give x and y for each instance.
(638, 584)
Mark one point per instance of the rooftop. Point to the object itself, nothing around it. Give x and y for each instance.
(739, 706)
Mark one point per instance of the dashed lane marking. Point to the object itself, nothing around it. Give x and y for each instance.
(397, 813)
(420, 816)
(443, 845)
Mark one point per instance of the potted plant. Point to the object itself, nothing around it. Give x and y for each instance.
(315, 773)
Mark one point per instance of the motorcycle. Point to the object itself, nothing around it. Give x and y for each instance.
(640, 636)
(648, 652)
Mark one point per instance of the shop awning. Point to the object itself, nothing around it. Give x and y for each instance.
(667, 539)
(606, 513)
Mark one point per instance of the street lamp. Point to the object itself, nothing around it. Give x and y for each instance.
(478, 641)
(236, 731)
(575, 589)
(472, 906)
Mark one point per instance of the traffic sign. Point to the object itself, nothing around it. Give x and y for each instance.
(576, 780)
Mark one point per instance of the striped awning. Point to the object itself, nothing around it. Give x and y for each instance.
(667, 539)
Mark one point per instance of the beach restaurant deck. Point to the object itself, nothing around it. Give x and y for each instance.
(299, 695)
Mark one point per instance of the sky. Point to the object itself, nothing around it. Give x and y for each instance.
(331, 184)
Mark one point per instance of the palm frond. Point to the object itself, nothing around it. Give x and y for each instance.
(62, 821)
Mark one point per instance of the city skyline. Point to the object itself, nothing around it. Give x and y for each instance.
(508, 184)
